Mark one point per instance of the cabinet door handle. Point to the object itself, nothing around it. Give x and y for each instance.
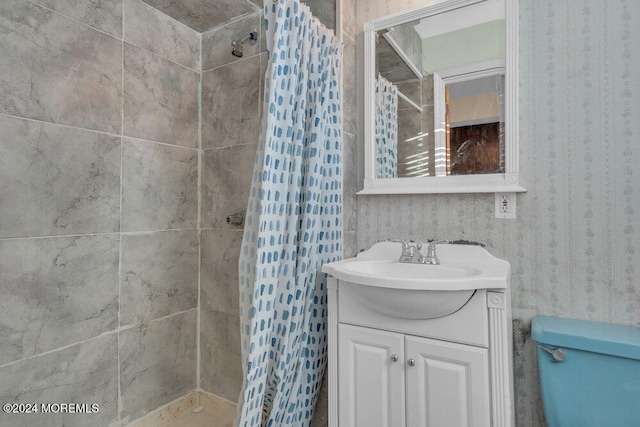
(394, 357)
(411, 362)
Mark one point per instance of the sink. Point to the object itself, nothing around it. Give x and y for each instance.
(419, 291)
(393, 269)
(410, 303)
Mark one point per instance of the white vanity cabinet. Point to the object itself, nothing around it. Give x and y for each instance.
(396, 359)
(394, 380)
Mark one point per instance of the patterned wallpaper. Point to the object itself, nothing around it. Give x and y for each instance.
(575, 245)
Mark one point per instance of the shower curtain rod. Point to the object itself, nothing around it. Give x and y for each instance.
(413, 104)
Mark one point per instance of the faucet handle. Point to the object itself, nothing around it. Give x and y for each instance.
(407, 250)
(433, 243)
(431, 257)
(405, 245)
(394, 240)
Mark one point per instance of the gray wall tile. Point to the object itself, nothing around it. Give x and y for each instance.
(105, 15)
(160, 185)
(84, 373)
(56, 291)
(349, 25)
(220, 367)
(157, 363)
(349, 182)
(57, 70)
(148, 28)
(219, 280)
(226, 182)
(159, 275)
(57, 180)
(350, 248)
(204, 15)
(264, 64)
(231, 104)
(349, 113)
(216, 44)
(324, 10)
(160, 99)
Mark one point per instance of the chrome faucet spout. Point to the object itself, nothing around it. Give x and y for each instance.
(408, 250)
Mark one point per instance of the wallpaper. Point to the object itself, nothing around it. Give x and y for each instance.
(575, 245)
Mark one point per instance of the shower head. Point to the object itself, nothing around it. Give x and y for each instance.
(236, 45)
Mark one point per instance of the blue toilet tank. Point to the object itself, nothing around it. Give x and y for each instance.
(598, 382)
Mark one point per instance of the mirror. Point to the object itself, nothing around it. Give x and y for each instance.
(441, 99)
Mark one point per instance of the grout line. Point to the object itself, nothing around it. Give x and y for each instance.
(107, 233)
(339, 23)
(231, 146)
(77, 21)
(119, 403)
(199, 221)
(53, 236)
(159, 142)
(58, 349)
(232, 21)
(156, 320)
(171, 18)
(102, 335)
(114, 135)
(60, 124)
(195, 70)
(350, 37)
(232, 62)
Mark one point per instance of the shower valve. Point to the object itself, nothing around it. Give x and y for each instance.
(235, 219)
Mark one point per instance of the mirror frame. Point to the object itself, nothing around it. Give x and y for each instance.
(479, 183)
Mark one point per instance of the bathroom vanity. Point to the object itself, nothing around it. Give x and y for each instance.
(420, 345)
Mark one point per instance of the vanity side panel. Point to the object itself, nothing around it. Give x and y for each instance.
(332, 334)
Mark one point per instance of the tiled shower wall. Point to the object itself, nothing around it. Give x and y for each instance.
(231, 94)
(574, 247)
(98, 208)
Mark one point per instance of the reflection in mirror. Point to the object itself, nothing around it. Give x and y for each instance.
(440, 99)
(454, 46)
(475, 126)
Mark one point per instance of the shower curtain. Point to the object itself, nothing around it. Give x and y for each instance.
(386, 128)
(293, 222)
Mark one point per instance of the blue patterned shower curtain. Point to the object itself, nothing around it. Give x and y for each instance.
(386, 128)
(293, 222)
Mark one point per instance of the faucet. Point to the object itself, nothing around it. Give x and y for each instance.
(431, 257)
(408, 251)
(411, 253)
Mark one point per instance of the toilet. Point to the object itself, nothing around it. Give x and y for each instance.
(589, 372)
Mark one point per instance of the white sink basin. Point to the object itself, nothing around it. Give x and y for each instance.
(419, 291)
(394, 269)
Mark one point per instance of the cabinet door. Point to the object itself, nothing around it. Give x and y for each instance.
(447, 384)
(370, 377)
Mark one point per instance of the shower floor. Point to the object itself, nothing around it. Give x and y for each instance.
(216, 412)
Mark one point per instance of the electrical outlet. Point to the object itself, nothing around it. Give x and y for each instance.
(506, 205)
